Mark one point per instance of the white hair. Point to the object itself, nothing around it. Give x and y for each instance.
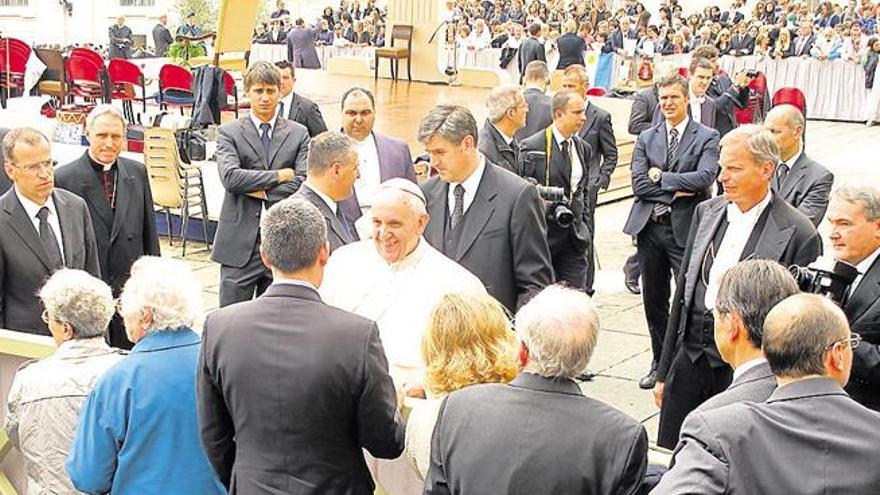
(500, 100)
(82, 301)
(166, 286)
(102, 109)
(560, 327)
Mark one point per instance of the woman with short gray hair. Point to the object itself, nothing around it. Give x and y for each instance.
(154, 388)
(78, 310)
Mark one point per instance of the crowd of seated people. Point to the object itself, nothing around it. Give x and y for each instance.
(348, 25)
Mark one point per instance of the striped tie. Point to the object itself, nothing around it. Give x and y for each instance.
(660, 208)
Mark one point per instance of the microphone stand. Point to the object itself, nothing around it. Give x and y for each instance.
(451, 66)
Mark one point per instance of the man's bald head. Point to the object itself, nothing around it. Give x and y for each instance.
(800, 332)
(399, 219)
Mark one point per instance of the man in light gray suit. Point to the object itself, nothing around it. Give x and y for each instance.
(539, 433)
(483, 217)
(539, 116)
(798, 179)
(44, 229)
(808, 438)
(333, 168)
(748, 291)
(259, 158)
(290, 390)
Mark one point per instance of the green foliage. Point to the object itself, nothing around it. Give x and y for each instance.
(177, 52)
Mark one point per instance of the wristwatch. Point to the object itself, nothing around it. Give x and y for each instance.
(654, 175)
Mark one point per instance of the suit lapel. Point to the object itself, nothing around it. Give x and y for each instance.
(124, 190)
(71, 230)
(478, 214)
(775, 236)
(588, 125)
(795, 175)
(279, 136)
(866, 294)
(385, 171)
(92, 191)
(252, 136)
(335, 224)
(294, 107)
(23, 226)
(707, 111)
(706, 230)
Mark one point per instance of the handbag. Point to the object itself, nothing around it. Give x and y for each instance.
(191, 145)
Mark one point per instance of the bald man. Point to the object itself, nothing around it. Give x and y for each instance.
(809, 437)
(395, 277)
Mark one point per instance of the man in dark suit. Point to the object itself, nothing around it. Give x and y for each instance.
(748, 222)
(296, 107)
(807, 438)
(333, 168)
(120, 39)
(532, 48)
(301, 49)
(571, 46)
(535, 82)
(117, 192)
(557, 158)
(598, 133)
(481, 216)
(645, 112)
(44, 229)
(507, 114)
(5, 181)
(798, 179)
(854, 216)
(258, 157)
(741, 43)
(747, 292)
(337, 399)
(162, 38)
(276, 35)
(673, 166)
(803, 43)
(539, 433)
(381, 157)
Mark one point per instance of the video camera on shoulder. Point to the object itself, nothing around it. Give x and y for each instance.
(833, 283)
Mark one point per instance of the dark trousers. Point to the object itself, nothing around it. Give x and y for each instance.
(688, 385)
(659, 260)
(569, 264)
(242, 284)
(590, 221)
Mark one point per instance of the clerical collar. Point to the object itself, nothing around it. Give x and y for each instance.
(98, 166)
(791, 161)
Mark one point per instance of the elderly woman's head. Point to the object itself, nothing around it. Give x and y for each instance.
(468, 341)
(77, 305)
(161, 294)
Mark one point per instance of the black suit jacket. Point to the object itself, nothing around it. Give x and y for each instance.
(539, 115)
(863, 312)
(805, 48)
(741, 45)
(162, 39)
(24, 264)
(128, 234)
(807, 187)
(598, 133)
(787, 237)
(496, 149)
(337, 234)
(307, 113)
(693, 170)
(571, 50)
(644, 106)
(503, 237)
(5, 182)
(754, 385)
(500, 438)
(530, 49)
(533, 163)
(289, 391)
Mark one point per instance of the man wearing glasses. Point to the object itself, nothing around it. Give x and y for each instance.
(42, 228)
(809, 437)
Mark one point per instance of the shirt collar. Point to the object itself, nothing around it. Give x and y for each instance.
(78, 348)
(507, 139)
(741, 369)
(296, 282)
(735, 215)
(473, 182)
(32, 208)
(791, 161)
(257, 122)
(558, 136)
(158, 340)
(680, 127)
(866, 263)
(326, 199)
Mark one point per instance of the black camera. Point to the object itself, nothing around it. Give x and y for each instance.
(833, 284)
(555, 204)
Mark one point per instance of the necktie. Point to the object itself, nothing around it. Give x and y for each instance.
(47, 237)
(345, 225)
(264, 137)
(281, 109)
(781, 174)
(458, 206)
(660, 208)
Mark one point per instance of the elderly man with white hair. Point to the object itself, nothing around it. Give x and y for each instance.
(507, 114)
(138, 432)
(539, 433)
(78, 310)
(396, 277)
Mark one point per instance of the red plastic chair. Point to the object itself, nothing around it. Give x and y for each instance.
(792, 96)
(754, 111)
(175, 87)
(12, 75)
(596, 92)
(232, 90)
(124, 77)
(84, 77)
(89, 54)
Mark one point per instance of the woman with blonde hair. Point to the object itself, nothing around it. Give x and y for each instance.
(469, 341)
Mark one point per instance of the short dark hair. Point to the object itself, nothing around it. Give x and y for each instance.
(284, 64)
(262, 73)
(357, 90)
(292, 233)
(674, 80)
(534, 28)
(705, 51)
(561, 100)
(700, 63)
(27, 135)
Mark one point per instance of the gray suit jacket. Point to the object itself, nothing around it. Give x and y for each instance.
(492, 144)
(24, 264)
(806, 187)
(503, 236)
(120, 41)
(755, 385)
(244, 168)
(301, 51)
(395, 161)
(642, 114)
(530, 49)
(307, 113)
(161, 39)
(598, 133)
(5, 182)
(535, 435)
(337, 234)
(289, 392)
(539, 117)
(808, 438)
(863, 312)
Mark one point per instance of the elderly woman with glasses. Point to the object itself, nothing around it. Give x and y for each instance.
(78, 310)
(138, 432)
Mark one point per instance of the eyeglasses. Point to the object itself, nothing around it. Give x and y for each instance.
(35, 168)
(853, 340)
(45, 316)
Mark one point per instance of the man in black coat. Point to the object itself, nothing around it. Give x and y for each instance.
(748, 222)
(117, 192)
(571, 46)
(120, 39)
(338, 398)
(507, 114)
(296, 107)
(162, 38)
(716, 111)
(532, 48)
(558, 158)
(535, 82)
(483, 217)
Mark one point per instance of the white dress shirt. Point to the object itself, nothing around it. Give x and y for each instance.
(577, 168)
(32, 209)
(257, 122)
(740, 371)
(739, 228)
(863, 268)
(327, 200)
(285, 104)
(696, 110)
(471, 184)
(370, 173)
(680, 128)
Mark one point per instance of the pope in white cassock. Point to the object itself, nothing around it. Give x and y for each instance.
(395, 278)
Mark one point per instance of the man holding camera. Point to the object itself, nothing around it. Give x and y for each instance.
(557, 161)
(854, 215)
